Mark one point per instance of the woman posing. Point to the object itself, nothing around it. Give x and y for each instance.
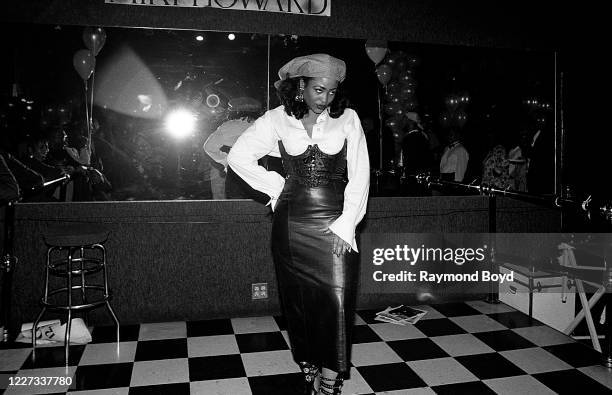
(316, 209)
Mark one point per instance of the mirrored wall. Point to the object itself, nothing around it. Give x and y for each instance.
(150, 114)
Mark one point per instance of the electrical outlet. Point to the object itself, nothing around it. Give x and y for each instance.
(259, 291)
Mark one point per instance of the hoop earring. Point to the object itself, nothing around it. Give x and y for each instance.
(300, 95)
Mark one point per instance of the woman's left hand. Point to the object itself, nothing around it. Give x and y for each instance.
(340, 246)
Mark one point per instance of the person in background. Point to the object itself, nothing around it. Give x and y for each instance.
(417, 157)
(38, 148)
(240, 116)
(315, 209)
(454, 161)
(540, 150)
(518, 165)
(9, 188)
(495, 166)
(79, 150)
(225, 184)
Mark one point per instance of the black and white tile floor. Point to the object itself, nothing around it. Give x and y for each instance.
(457, 348)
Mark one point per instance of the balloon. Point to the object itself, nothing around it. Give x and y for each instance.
(394, 123)
(394, 90)
(84, 63)
(413, 61)
(408, 80)
(383, 72)
(407, 93)
(392, 108)
(411, 105)
(405, 76)
(376, 50)
(391, 94)
(394, 86)
(402, 64)
(94, 39)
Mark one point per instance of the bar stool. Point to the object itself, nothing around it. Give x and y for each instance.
(75, 251)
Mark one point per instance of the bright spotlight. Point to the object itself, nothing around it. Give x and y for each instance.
(199, 37)
(231, 36)
(180, 123)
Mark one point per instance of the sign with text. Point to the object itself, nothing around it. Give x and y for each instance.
(299, 7)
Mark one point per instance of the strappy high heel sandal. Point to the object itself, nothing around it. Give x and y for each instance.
(310, 375)
(330, 386)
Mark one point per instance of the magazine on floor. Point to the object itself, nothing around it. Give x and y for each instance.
(400, 315)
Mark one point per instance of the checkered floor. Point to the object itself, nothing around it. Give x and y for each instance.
(457, 348)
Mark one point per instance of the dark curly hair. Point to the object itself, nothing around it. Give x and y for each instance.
(287, 90)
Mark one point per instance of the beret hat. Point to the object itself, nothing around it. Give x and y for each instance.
(316, 66)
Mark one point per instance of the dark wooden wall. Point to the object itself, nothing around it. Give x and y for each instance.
(189, 260)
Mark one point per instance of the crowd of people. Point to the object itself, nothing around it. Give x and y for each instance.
(51, 155)
(521, 159)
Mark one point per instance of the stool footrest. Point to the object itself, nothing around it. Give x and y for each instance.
(91, 265)
(90, 305)
(98, 301)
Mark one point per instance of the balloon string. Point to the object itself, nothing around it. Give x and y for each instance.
(86, 109)
(90, 121)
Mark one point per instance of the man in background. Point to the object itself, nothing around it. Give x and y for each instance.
(455, 158)
(224, 183)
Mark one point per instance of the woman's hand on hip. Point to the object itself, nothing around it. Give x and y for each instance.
(340, 246)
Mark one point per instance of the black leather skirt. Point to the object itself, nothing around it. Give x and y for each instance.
(317, 288)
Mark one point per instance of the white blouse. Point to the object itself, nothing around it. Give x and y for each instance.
(329, 134)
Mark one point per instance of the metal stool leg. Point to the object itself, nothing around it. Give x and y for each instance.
(69, 291)
(34, 332)
(45, 300)
(83, 286)
(106, 290)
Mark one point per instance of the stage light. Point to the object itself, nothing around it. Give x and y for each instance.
(180, 123)
(231, 36)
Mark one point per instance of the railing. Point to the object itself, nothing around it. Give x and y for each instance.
(553, 201)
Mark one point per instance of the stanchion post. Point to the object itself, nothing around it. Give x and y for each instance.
(493, 296)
